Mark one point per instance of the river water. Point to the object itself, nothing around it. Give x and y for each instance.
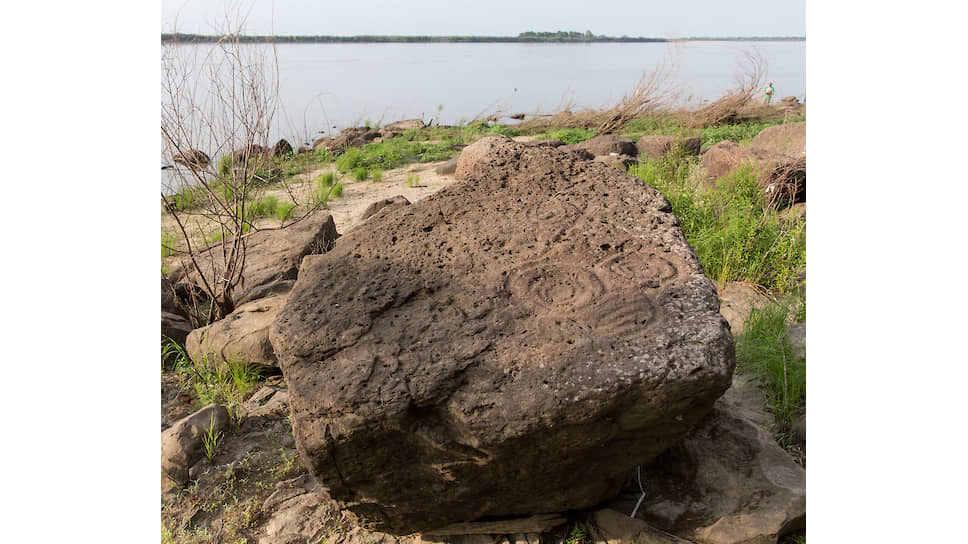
(324, 88)
(326, 85)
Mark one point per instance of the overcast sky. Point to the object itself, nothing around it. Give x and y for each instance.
(659, 19)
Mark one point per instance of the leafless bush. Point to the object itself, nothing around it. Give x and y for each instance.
(748, 83)
(655, 91)
(218, 101)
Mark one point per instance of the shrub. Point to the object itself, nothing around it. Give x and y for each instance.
(360, 174)
(376, 175)
(734, 230)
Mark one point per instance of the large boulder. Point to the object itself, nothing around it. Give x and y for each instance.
(514, 344)
(728, 482)
(786, 139)
(242, 337)
(782, 177)
(272, 257)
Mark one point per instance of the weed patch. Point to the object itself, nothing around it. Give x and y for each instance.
(764, 351)
(737, 234)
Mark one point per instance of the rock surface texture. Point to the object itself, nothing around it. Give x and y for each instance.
(728, 482)
(514, 344)
(272, 257)
(242, 337)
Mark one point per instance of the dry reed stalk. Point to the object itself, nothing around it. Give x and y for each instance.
(727, 108)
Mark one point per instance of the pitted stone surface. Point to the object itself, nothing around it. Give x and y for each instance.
(514, 344)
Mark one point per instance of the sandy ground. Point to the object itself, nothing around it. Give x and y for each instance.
(357, 195)
(348, 208)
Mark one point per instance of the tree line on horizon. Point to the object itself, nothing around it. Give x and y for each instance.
(529, 36)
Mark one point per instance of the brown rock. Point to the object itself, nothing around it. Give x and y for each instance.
(403, 126)
(786, 139)
(609, 143)
(182, 445)
(447, 168)
(654, 146)
(736, 301)
(271, 256)
(282, 147)
(193, 158)
(242, 337)
(514, 344)
(373, 208)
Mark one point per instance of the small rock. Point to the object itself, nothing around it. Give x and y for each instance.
(182, 445)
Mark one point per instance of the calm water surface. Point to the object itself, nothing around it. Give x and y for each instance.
(327, 87)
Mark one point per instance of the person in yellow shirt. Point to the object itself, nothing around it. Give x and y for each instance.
(768, 93)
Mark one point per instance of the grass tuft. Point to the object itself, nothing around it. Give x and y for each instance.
(764, 350)
(736, 232)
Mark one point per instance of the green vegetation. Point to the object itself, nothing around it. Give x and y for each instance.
(211, 440)
(764, 350)
(740, 133)
(360, 173)
(413, 180)
(570, 136)
(376, 175)
(326, 188)
(576, 535)
(730, 224)
(227, 384)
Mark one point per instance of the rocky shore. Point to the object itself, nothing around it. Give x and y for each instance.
(522, 349)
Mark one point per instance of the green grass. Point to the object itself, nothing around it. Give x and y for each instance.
(764, 351)
(360, 173)
(263, 207)
(168, 245)
(376, 175)
(731, 226)
(228, 384)
(326, 188)
(413, 180)
(570, 136)
(740, 133)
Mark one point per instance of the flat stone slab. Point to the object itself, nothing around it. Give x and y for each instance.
(514, 344)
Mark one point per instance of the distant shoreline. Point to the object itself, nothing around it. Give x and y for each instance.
(536, 38)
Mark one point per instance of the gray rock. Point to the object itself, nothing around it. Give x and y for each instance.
(513, 345)
(607, 526)
(728, 482)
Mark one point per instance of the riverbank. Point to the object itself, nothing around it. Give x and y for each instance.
(525, 37)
